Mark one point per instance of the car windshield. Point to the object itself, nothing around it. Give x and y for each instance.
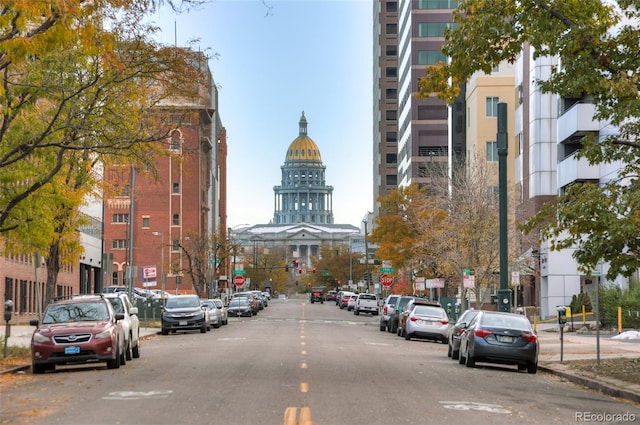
(76, 312)
(238, 302)
(182, 302)
(506, 321)
(218, 303)
(425, 310)
(208, 304)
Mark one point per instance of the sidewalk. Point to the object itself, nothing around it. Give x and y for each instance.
(573, 347)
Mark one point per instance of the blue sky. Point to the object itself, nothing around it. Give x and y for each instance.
(272, 64)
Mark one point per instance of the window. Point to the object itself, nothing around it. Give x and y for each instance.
(392, 50)
(391, 180)
(437, 4)
(145, 222)
(175, 245)
(392, 72)
(392, 137)
(392, 158)
(175, 188)
(492, 106)
(120, 244)
(432, 29)
(175, 220)
(492, 151)
(392, 6)
(392, 115)
(120, 218)
(392, 93)
(392, 29)
(430, 57)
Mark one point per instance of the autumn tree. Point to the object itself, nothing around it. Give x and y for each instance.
(79, 82)
(337, 263)
(597, 46)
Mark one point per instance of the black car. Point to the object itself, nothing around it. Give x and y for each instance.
(503, 338)
(184, 312)
(456, 330)
(239, 307)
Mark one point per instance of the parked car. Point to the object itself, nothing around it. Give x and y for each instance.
(224, 314)
(331, 295)
(503, 338)
(130, 324)
(81, 329)
(427, 322)
(184, 312)
(252, 298)
(239, 307)
(387, 310)
(351, 302)
(398, 308)
(344, 299)
(366, 303)
(158, 294)
(455, 331)
(402, 319)
(215, 317)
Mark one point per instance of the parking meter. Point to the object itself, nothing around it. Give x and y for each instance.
(8, 310)
(449, 309)
(562, 314)
(457, 309)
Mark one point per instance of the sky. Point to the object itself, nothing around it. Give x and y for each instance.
(271, 61)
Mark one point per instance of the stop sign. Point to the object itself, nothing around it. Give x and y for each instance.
(238, 280)
(386, 280)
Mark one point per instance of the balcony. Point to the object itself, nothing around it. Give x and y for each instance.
(577, 121)
(572, 169)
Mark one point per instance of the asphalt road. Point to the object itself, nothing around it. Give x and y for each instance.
(301, 363)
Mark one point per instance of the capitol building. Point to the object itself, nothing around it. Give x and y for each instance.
(303, 207)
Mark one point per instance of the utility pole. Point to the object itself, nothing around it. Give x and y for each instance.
(366, 255)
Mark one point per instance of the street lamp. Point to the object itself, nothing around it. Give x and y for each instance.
(162, 279)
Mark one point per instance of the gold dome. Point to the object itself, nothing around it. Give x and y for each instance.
(303, 148)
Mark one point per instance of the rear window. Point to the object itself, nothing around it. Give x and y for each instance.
(425, 310)
(404, 301)
(506, 321)
(367, 297)
(392, 300)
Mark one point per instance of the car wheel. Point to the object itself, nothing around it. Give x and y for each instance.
(127, 351)
(455, 354)
(532, 368)
(216, 326)
(123, 358)
(135, 351)
(461, 358)
(38, 368)
(383, 327)
(469, 361)
(407, 336)
(356, 312)
(449, 350)
(115, 362)
(203, 329)
(521, 366)
(165, 331)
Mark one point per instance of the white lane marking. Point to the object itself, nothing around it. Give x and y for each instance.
(472, 405)
(137, 395)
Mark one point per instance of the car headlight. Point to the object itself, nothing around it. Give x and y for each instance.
(38, 337)
(104, 334)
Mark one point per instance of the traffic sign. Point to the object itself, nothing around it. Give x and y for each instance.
(238, 280)
(386, 280)
(239, 272)
(387, 270)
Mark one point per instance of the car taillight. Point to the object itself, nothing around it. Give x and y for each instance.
(444, 321)
(530, 337)
(481, 333)
(413, 318)
(384, 310)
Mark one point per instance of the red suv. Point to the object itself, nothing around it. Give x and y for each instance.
(80, 329)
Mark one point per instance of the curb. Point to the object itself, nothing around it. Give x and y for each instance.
(593, 384)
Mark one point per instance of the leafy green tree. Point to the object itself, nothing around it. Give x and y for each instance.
(597, 45)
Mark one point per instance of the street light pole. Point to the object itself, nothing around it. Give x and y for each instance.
(366, 255)
(162, 279)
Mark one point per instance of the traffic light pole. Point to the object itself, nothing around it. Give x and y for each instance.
(504, 293)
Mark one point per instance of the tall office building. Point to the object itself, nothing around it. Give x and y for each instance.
(415, 140)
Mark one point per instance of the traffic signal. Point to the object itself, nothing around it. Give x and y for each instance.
(314, 269)
(300, 270)
(286, 267)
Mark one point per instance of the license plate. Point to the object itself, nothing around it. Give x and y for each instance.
(72, 350)
(183, 323)
(503, 338)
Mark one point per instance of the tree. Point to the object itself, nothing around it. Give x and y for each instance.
(75, 94)
(597, 45)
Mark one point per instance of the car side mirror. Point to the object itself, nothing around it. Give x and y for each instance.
(33, 322)
(119, 316)
(134, 310)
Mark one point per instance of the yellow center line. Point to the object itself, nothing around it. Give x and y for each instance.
(304, 387)
(291, 413)
(303, 365)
